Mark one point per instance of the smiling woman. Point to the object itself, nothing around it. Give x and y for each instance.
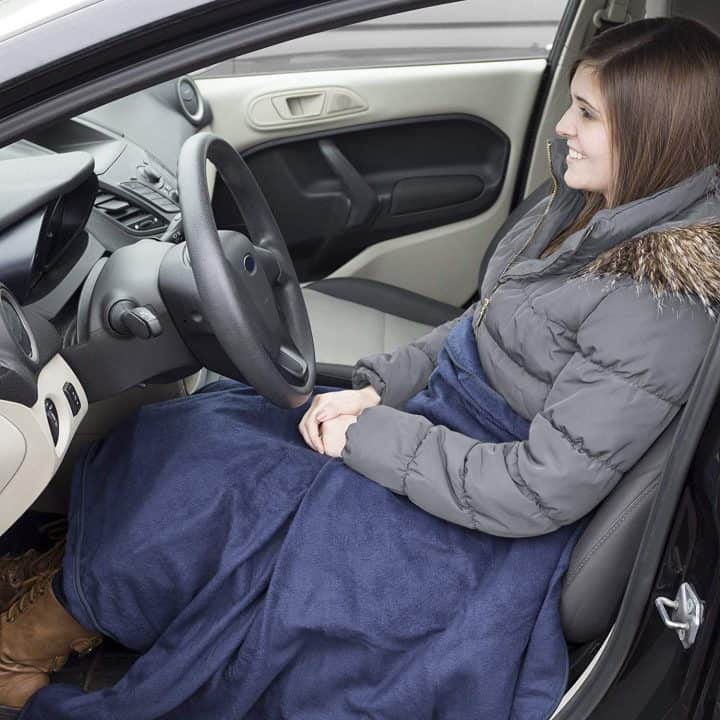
(636, 126)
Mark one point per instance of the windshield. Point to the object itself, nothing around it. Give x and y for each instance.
(17, 16)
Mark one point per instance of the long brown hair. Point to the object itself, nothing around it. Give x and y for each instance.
(660, 79)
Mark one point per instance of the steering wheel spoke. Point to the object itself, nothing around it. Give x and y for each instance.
(271, 265)
(290, 360)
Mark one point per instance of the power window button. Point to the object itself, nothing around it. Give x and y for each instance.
(72, 398)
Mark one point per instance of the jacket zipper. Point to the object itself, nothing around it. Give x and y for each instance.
(501, 278)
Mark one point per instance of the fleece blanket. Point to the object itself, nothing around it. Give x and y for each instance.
(261, 580)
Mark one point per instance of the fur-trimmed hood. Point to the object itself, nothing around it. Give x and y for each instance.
(668, 241)
(683, 261)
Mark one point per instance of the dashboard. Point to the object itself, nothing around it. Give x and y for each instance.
(71, 195)
(134, 144)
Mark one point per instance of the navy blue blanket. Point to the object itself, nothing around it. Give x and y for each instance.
(261, 580)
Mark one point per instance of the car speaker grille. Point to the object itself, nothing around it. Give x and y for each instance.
(129, 214)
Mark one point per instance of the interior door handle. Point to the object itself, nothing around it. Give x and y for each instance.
(303, 105)
(363, 199)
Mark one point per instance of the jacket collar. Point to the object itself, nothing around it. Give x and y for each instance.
(681, 261)
(695, 198)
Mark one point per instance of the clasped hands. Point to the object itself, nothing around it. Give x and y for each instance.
(326, 421)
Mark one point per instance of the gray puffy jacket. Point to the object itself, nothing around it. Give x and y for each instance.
(596, 344)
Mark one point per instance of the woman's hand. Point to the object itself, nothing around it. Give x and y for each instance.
(328, 406)
(333, 434)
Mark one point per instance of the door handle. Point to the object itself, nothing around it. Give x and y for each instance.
(363, 199)
(302, 105)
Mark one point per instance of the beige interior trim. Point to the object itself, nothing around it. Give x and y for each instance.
(390, 93)
(344, 331)
(100, 420)
(28, 459)
(441, 263)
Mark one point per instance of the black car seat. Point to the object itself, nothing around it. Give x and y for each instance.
(354, 317)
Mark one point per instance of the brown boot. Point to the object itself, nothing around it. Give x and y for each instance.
(16, 571)
(36, 636)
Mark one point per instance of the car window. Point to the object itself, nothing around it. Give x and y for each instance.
(466, 31)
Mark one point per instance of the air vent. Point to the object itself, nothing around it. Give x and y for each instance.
(191, 101)
(129, 214)
(16, 327)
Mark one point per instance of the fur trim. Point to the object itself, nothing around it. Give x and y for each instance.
(683, 261)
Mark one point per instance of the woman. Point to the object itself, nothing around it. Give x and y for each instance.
(514, 420)
(571, 329)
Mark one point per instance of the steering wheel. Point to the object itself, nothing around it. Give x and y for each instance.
(248, 288)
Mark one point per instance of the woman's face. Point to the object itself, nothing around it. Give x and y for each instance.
(586, 129)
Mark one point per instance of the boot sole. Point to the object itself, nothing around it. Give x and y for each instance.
(8, 713)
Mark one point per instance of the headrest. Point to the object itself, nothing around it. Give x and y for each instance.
(604, 555)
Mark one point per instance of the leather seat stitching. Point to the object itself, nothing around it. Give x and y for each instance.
(629, 510)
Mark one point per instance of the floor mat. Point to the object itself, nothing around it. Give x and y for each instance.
(30, 531)
(100, 669)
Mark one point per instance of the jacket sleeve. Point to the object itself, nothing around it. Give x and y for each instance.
(397, 376)
(631, 373)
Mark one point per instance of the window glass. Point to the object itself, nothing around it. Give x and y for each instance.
(466, 31)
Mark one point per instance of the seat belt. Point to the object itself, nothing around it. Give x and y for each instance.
(613, 14)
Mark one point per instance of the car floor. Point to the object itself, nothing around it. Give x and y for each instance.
(100, 669)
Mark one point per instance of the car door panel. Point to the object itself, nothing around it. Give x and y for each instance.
(336, 194)
(408, 191)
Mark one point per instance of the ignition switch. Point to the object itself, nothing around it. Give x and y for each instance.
(127, 318)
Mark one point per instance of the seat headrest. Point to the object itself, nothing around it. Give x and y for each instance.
(604, 555)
